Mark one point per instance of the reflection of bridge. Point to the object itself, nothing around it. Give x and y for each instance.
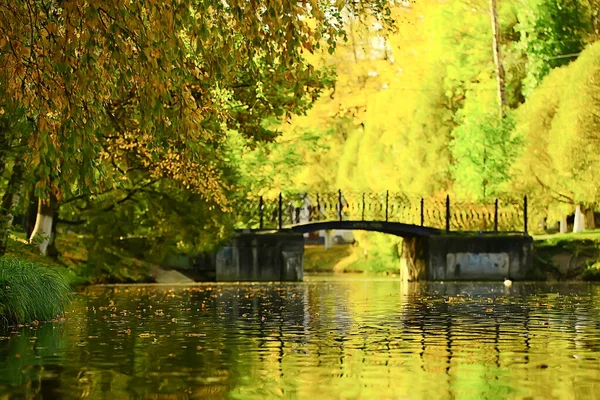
(386, 212)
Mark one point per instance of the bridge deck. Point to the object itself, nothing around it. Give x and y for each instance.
(393, 228)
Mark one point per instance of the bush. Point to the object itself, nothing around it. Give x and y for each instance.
(30, 292)
(592, 272)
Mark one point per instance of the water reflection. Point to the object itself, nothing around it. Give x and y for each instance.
(325, 338)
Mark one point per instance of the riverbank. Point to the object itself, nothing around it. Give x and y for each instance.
(568, 256)
(66, 267)
(556, 257)
(346, 258)
(73, 264)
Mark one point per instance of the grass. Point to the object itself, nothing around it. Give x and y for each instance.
(30, 292)
(580, 246)
(68, 263)
(317, 259)
(347, 258)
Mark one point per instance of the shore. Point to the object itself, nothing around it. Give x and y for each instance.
(556, 257)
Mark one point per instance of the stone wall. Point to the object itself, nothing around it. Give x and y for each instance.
(262, 257)
(446, 257)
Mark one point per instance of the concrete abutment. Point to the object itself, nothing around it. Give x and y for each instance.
(458, 257)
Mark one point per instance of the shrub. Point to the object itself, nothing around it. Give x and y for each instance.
(30, 292)
(592, 272)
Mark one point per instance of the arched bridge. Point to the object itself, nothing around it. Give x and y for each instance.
(264, 252)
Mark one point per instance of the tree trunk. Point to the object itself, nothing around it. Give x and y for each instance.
(10, 198)
(563, 225)
(30, 214)
(579, 222)
(328, 239)
(589, 219)
(44, 224)
(498, 58)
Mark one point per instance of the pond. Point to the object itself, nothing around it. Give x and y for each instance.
(325, 338)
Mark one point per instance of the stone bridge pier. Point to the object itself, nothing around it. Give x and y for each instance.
(462, 257)
(256, 257)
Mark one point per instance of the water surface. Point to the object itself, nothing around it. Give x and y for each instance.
(326, 338)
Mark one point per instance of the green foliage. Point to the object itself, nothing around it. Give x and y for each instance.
(319, 259)
(574, 144)
(30, 292)
(592, 273)
(552, 34)
(381, 253)
(535, 171)
(151, 122)
(483, 148)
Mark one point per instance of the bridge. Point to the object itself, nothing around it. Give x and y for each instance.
(387, 212)
(442, 239)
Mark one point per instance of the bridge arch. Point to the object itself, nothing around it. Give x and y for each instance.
(392, 228)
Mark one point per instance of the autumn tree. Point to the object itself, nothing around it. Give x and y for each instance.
(168, 79)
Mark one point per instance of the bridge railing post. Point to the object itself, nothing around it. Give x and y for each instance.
(496, 215)
(261, 206)
(447, 213)
(525, 214)
(422, 212)
(363, 207)
(387, 202)
(340, 203)
(318, 216)
(280, 211)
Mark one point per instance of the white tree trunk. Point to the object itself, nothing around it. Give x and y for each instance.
(328, 239)
(563, 225)
(42, 232)
(579, 223)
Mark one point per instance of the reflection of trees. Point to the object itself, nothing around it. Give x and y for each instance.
(20, 368)
(351, 339)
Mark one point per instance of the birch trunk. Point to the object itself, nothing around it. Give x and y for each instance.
(44, 229)
(9, 200)
(563, 225)
(579, 222)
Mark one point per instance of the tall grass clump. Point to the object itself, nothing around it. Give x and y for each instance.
(30, 292)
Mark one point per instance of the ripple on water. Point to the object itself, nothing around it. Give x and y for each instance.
(345, 338)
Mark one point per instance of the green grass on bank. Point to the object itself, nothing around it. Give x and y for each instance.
(568, 237)
(568, 255)
(30, 292)
(317, 259)
(75, 263)
(66, 265)
(347, 258)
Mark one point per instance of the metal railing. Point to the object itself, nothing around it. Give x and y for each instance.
(503, 215)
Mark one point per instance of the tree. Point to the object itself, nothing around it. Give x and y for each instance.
(169, 79)
(535, 171)
(483, 147)
(552, 34)
(574, 141)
